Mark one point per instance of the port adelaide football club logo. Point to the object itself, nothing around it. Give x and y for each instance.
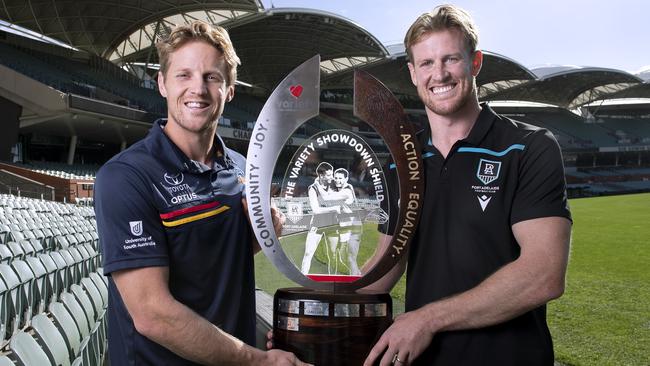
(488, 171)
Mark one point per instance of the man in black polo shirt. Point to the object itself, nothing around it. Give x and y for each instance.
(492, 245)
(175, 238)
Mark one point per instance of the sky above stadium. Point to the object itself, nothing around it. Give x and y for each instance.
(611, 34)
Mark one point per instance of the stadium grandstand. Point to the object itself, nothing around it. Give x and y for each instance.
(78, 85)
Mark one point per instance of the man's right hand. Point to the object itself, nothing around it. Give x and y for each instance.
(282, 358)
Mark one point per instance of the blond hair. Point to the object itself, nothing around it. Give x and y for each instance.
(199, 31)
(441, 18)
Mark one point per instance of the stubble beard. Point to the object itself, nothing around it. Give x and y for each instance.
(444, 108)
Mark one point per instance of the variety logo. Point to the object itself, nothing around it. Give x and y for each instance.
(483, 201)
(136, 227)
(296, 90)
(488, 171)
(174, 180)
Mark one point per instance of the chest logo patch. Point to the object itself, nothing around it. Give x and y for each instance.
(488, 171)
(483, 201)
(173, 179)
(136, 227)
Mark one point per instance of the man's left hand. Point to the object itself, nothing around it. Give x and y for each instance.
(403, 341)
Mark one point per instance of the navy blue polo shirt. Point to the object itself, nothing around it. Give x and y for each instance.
(504, 172)
(156, 207)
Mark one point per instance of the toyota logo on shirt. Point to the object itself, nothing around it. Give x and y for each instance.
(174, 180)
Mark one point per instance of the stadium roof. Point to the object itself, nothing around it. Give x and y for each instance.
(99, 26)
(272, 42)
(278, 40)
(570, 87)
(498, 72)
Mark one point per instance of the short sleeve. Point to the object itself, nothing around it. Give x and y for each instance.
(130, 231)
(541, 189)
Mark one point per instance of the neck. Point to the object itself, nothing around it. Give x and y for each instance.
(195, 145)
(446, 130)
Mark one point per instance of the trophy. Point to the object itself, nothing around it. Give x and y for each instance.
(332, 188)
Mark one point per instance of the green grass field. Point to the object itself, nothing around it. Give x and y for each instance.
(604, 316)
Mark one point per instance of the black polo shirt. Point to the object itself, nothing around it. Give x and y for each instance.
(504, 172)
(156, 207)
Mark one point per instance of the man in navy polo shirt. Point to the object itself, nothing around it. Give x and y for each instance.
(493, 241)
(175, 238)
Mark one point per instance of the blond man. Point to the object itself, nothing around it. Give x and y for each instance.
(493, 240)
(176, 242)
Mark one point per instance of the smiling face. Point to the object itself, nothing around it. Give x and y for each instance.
(443, 70)
(326, 177)
(340, 180)
(195, 87)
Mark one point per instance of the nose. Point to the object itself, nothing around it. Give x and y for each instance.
(198, 86)
(439, 72)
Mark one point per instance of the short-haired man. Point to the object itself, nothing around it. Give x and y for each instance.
(351, 229)
(493, 241)
(175, 238)
(322, 212)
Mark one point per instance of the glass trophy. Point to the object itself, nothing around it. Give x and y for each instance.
(340, 234)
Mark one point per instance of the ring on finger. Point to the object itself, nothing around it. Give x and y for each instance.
(396, 359)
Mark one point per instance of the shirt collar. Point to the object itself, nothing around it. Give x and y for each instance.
(483, 124)
(170, 152)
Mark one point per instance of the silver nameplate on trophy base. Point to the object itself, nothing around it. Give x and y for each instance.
(289, 306)
(371, 310)
(288, 323)
(316, 308)
(346, 310)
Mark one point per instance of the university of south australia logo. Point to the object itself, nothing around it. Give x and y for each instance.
(136, 227)
(488, 171)
(173, 179)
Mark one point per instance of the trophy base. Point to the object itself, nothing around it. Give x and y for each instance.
(325, 328)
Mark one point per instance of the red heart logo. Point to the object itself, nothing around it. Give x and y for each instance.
(295, 90)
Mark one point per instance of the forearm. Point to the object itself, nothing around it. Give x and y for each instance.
(185, 333)
(506, 294)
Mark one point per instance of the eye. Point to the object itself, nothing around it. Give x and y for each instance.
(181, 75)
(214, 77)
(452, 60)
(426, 63)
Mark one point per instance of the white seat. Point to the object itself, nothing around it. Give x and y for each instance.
(55, 345)
(27, 350)
(6, 361)
(101, 285)
(78, 313)
(17, 300)
(30, 288)
(66, 324)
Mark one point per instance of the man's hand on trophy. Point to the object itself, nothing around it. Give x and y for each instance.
(403, 341)
(282, 358)
(280, 361)
(278, 219)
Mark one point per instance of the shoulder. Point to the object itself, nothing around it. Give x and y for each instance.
(129, 167)
(524, 133)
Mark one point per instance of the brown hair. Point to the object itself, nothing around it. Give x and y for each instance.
(441, 18)
(201, 31)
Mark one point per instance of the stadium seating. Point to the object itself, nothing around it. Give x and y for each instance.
(53, 295)
(79, 78)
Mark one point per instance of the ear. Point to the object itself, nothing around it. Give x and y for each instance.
(414, 80)
(161, 84)
(230, 93)
(477, 62)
